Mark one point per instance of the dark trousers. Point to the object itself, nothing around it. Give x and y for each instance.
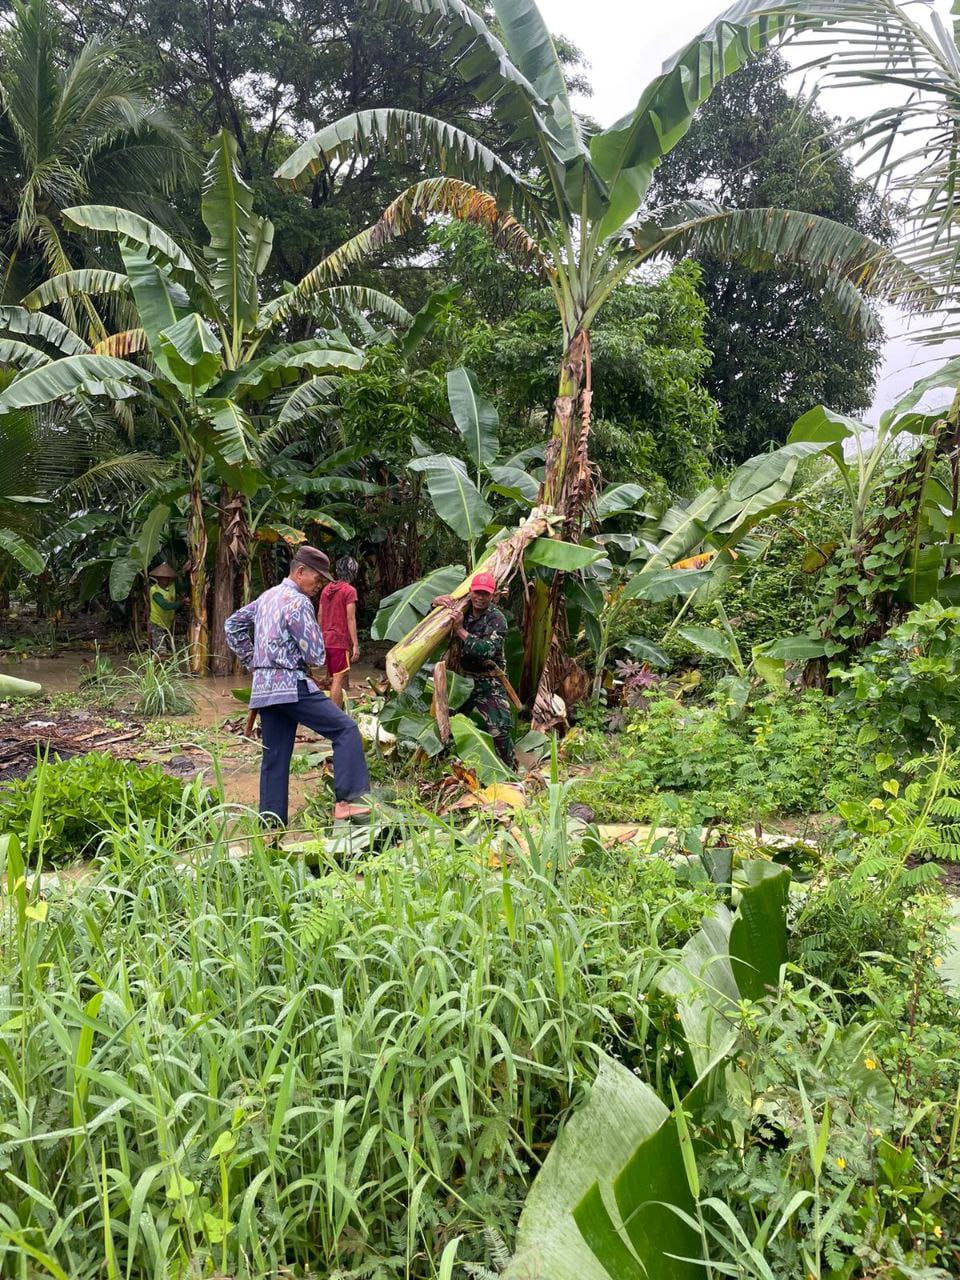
(278, 725)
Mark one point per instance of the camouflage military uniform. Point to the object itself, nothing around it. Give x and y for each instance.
(479, 652)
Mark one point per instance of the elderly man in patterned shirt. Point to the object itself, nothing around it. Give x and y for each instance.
(277, 637)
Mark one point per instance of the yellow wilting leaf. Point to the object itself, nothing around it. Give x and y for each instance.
(508, 793)
(37, 911)
(892, 786)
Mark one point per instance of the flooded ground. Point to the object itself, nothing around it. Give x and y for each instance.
(211, 736)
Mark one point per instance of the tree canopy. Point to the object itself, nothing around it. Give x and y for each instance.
(777, 347)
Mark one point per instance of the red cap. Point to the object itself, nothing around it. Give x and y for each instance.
(483, 582)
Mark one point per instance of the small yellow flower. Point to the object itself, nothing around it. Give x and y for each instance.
(876, 803)
(938, 1231)
(938, 961)
(841, 1163)
(870, 1064)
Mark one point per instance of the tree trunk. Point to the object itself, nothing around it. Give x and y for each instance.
(567, 488)
(409, 654)
(233, 548)
(197, 551)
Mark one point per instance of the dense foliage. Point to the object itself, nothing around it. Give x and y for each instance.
(386, 1050)
(776, 348)
(63, 810)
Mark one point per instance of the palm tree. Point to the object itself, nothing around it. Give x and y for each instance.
(580, 216)
(70, 132)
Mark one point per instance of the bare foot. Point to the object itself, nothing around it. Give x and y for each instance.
(344, 809)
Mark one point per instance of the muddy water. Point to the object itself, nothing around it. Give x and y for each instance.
(195, 737)
(57, 675)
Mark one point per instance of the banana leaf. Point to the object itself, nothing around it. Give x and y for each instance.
(476, 418)
(475, 748)
(617, 1156)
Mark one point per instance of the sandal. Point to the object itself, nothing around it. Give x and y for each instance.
(344, 809)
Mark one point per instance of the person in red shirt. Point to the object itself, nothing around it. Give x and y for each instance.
(337, 615)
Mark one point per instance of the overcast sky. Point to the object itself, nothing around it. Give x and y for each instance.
(625, 45)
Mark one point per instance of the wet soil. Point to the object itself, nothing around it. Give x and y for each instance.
(208, 739)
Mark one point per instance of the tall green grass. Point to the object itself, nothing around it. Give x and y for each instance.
(237, 1065)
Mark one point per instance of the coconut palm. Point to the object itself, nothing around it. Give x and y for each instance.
(579, 216)
(70, 132)
(208, 365)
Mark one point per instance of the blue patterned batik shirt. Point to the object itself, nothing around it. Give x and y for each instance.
(277, 637)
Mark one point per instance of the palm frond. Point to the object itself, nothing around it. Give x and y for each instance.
(360, 298)
(907, 52)
(125, 471)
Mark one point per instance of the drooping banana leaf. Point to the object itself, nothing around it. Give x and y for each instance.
(475, 749)
(21, 354)
(89, 282)
(23, 551)
(64, 377)
(626, 154)
(37, 324)
(158, 245)
(123, 574)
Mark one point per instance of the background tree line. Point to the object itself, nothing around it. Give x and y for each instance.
(699, 366)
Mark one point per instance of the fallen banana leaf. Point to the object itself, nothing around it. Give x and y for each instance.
(503, 793)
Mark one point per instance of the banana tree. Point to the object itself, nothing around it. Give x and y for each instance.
(461, 490)
(895, 547)
(578, 218)
(204, 358)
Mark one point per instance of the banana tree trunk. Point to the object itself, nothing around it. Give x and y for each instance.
(409, 654)
(567, 488)
(233, 547)
(197, 551)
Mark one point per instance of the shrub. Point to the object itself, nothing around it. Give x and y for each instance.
(908, 681)
(788, 755)
(82, 798)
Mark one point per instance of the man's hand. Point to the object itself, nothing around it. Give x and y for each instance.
(446, 602)
(355, 653)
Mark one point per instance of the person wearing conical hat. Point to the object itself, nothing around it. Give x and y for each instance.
(163, 606)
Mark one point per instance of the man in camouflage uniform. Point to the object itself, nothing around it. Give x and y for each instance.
(481, 629)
